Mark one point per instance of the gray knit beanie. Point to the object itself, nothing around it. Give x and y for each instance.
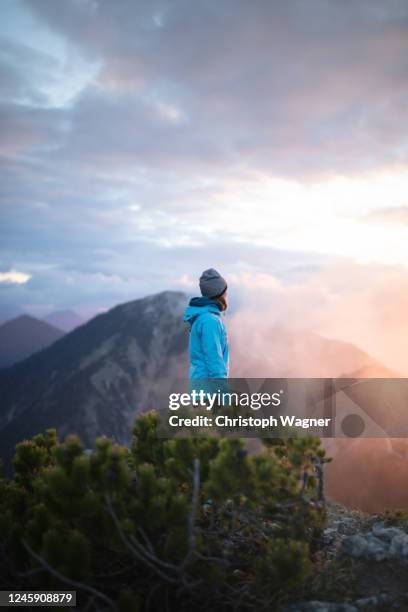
(211, 283)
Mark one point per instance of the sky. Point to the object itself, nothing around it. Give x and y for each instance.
(142, 142)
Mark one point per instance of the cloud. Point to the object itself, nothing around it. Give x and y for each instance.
(196, 135)
(364, 305)
(185, 282)
(14, 277)
(22, 70)
(394, 214)
(295, 89)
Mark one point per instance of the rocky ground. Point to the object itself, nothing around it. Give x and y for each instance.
(363, 564)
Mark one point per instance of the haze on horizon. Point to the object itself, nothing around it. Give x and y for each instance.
(145, 141)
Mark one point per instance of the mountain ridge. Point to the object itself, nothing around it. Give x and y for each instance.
(95, 379)
(67, 320)
(90, 381)
(23, 336)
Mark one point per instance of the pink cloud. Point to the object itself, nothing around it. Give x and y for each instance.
(364, 305)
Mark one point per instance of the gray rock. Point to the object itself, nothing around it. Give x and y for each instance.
(399, 546)
(387, 533)
(365, 545)
(329, 534)
(368, 603)
(321, 606)
(380, 543)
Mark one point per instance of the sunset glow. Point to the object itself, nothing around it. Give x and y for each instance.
(142, 145)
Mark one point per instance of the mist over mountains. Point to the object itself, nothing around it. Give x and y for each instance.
(94, 380)
(275, 350)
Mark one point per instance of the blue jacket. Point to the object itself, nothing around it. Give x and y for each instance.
(208, 344)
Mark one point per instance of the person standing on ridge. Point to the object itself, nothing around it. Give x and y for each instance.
(208, 345)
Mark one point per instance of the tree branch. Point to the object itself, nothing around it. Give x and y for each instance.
(74, 583)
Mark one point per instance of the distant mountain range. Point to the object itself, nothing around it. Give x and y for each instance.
(94, 380)
(24, 336)
(67, 320)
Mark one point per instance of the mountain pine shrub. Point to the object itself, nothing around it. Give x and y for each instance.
(176, 524)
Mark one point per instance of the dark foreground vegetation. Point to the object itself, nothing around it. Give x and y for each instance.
(167, 524)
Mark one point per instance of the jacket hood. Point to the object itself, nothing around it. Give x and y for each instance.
(198, 306)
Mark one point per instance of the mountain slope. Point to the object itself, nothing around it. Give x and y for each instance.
(95, 379)
(24, 336)
(66, 320)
